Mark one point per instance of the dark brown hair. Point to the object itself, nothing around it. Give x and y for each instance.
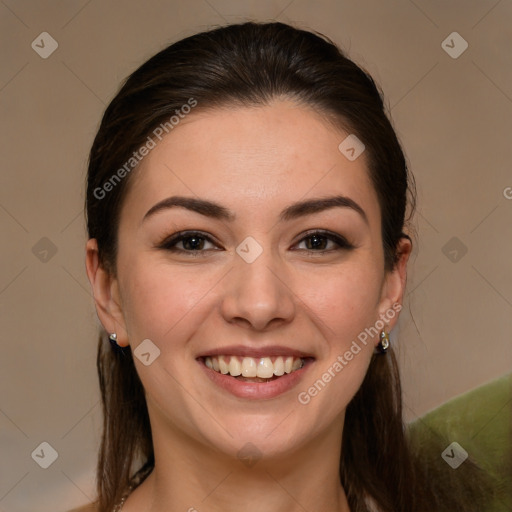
(251, 64)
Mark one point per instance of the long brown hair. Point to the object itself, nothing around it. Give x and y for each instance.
(250, 64)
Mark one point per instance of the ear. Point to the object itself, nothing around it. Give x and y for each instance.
(394, 284)
(106, 294)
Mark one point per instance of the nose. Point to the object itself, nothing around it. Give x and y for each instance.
(257, 294)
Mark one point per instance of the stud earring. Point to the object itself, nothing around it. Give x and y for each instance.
(384, 342)
(116, 347)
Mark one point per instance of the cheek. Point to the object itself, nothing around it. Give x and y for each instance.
(157, 300)
(346, 301)
(346, 306)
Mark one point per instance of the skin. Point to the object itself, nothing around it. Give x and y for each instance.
(250, 160)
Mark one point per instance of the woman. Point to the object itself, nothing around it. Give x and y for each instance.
(246, 210)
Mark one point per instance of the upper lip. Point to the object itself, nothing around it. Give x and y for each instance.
(256, 352)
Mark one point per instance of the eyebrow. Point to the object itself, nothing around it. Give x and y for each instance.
(294, 211)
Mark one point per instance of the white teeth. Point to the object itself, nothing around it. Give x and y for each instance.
(224, 368)
(265, 368)
(297, 363)
(262, 367)
(249, 368)
(235, 367)
(279, 366)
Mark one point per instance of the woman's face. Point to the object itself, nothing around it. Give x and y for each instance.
(267, 278)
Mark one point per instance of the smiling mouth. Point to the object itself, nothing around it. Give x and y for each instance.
(254, 369)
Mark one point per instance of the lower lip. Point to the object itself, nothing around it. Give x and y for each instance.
(256, 390)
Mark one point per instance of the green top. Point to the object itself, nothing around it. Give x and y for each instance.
(480, 422)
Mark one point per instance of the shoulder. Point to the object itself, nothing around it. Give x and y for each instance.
(482, 454)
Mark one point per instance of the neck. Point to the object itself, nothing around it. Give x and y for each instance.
(189, 476)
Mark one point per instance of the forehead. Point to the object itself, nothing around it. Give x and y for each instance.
(252, 158)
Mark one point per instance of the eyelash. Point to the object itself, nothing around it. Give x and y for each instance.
(170, 243)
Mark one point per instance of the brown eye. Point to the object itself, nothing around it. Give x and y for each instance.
(191, 242)
(318, 241)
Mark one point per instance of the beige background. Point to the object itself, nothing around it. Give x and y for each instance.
(454, 117)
